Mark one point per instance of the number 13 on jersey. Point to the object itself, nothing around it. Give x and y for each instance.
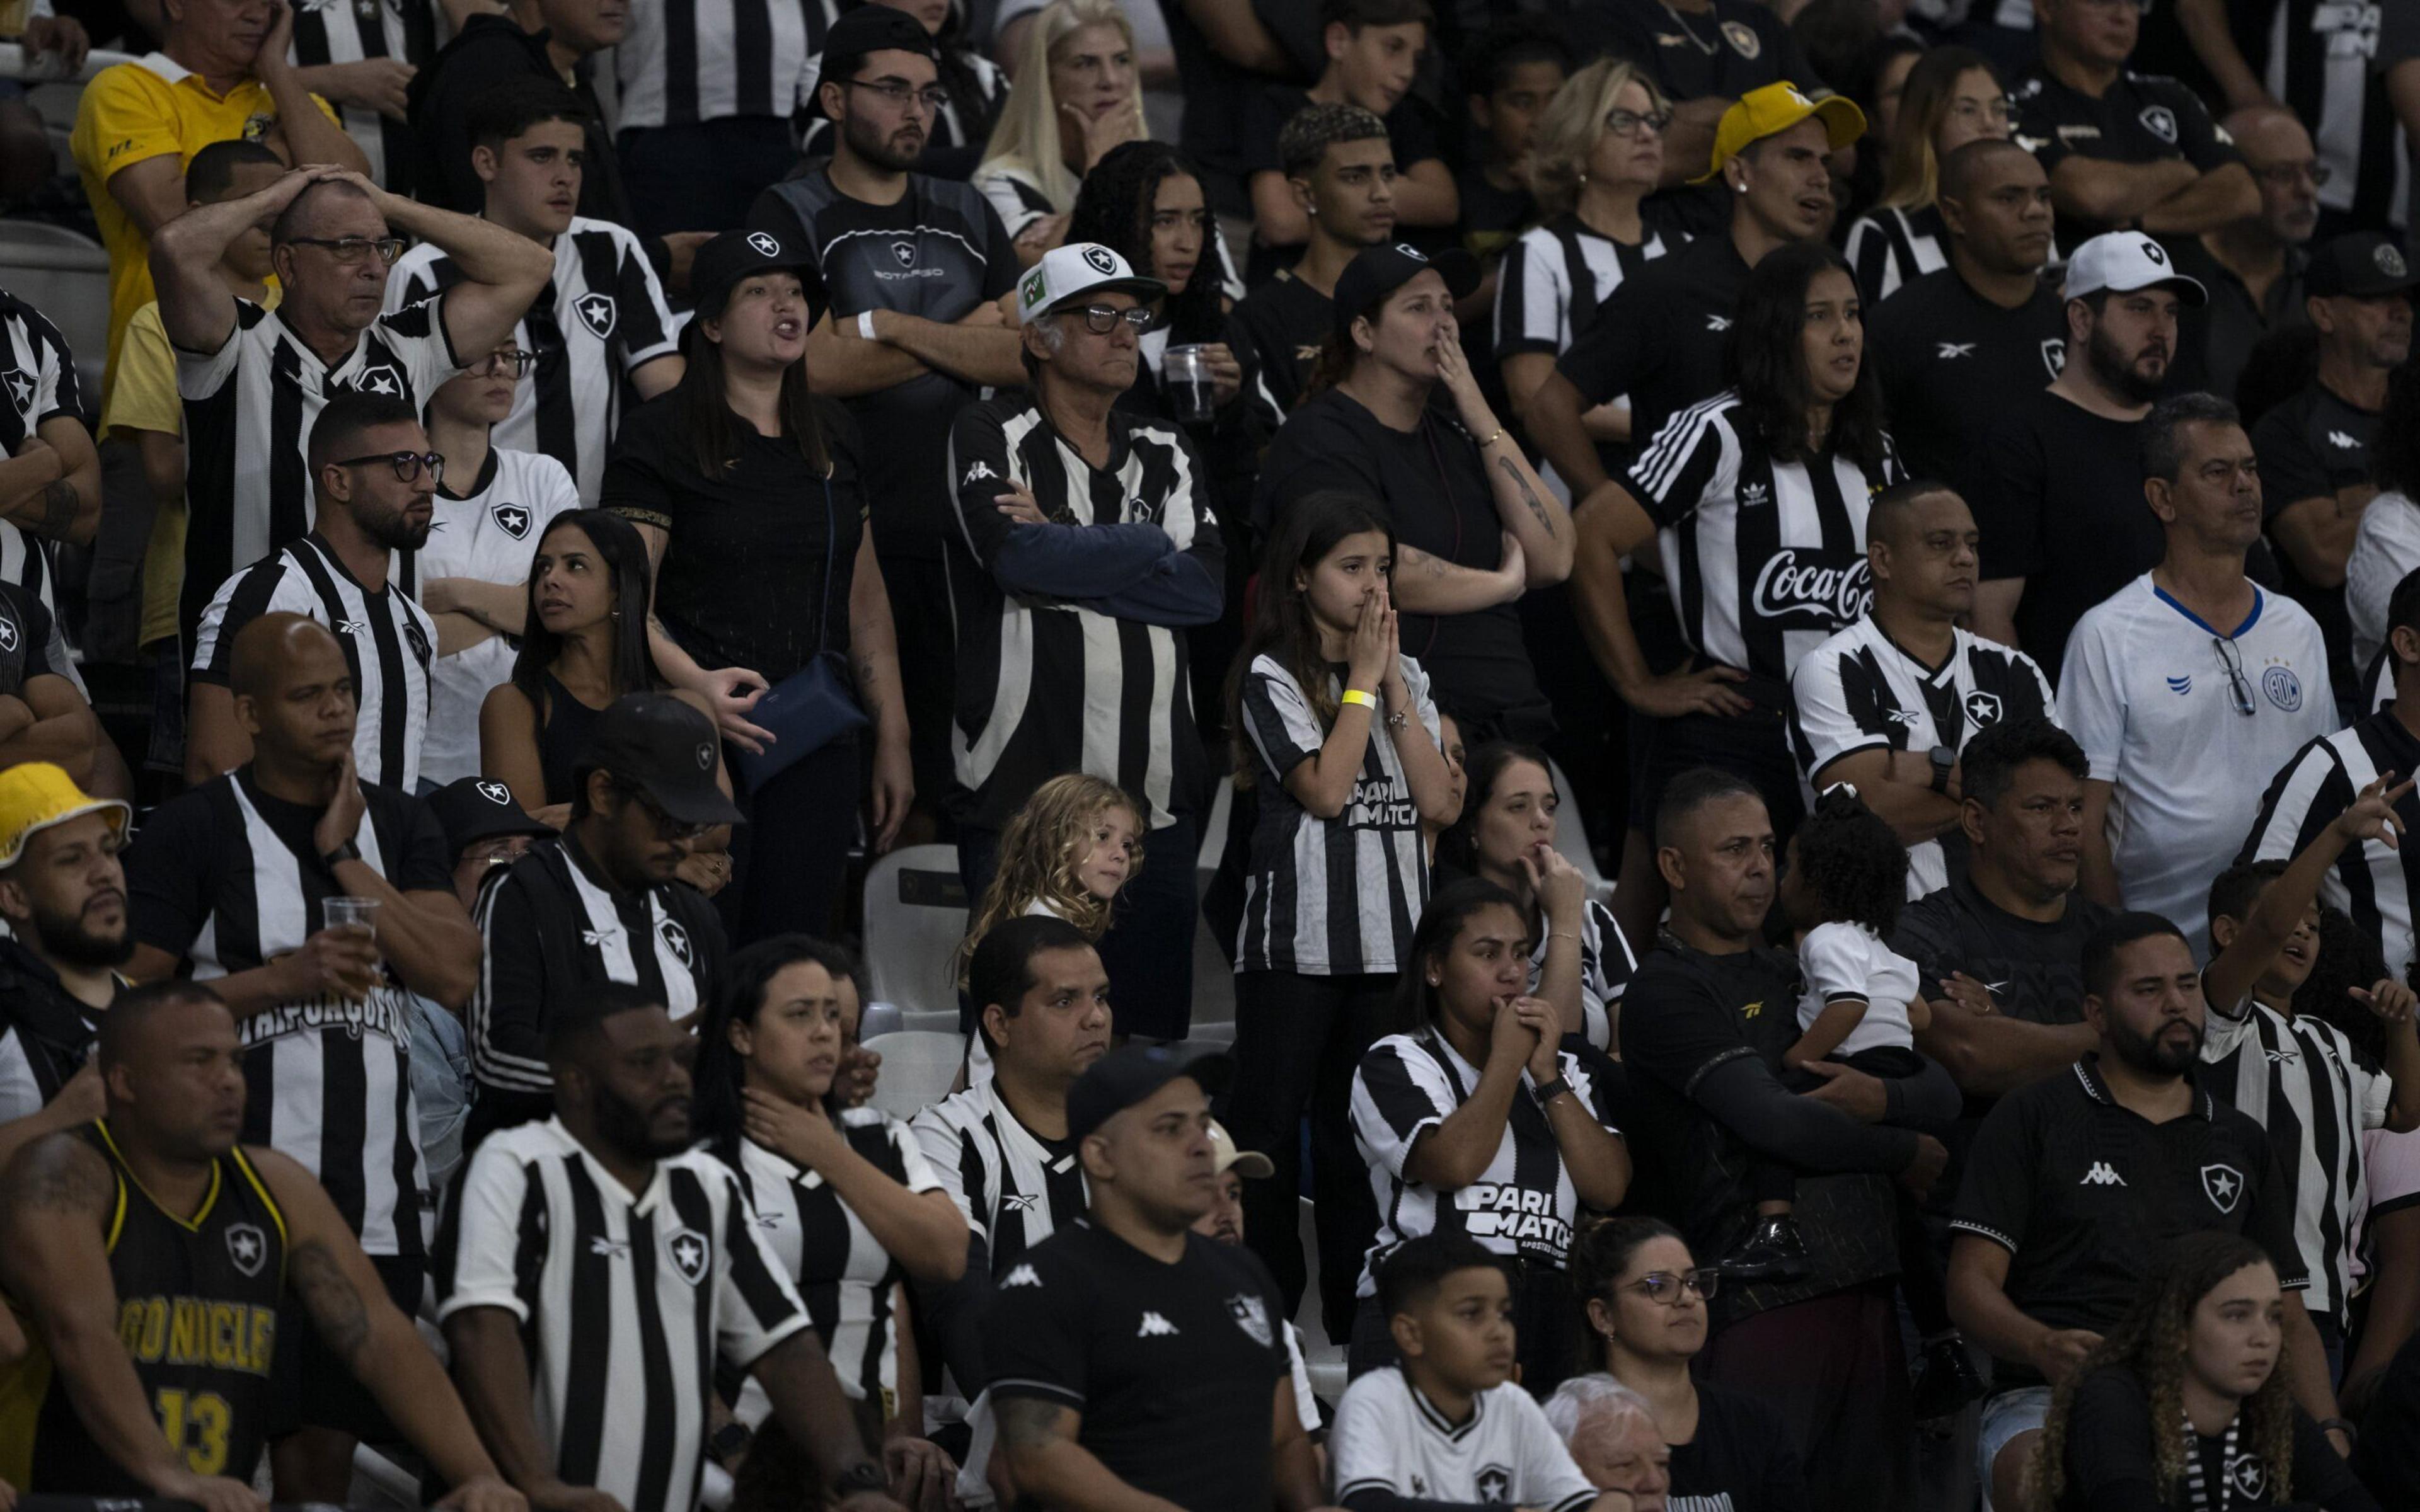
(196, 1423)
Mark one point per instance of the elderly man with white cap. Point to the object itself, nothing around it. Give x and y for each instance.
(1085, 547)
(63, 897)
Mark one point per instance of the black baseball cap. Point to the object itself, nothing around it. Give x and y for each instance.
(1377, 272)
(665, 748)
(1123, 1079)
(732, 256)
(2362, 264)
(474, 808)
(870, 28)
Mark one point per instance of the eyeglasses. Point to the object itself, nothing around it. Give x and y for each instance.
(899, 94)
(1627, 122)
(1100, 319)
(1663, 1288)
(354, 251)
(2238, 688)
(1992, 112)
(2285, 175)
(514, 362)
(667, 827)
(407, 465)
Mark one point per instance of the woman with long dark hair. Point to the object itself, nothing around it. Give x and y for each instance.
(1145, 203)
(844, 1198)
(748, 494)
(1480, 1122)
(2182, 1405)
(1953, 95)
(1396, 415)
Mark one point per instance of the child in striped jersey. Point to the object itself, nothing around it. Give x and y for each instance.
(1064, 854)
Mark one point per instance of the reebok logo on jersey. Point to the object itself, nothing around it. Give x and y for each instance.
(1905, 716)
(1153, 1326)
(2335, 438)
(2101, 1175)
(612, 1249)
(1022, 1277)
(1956, 348)
(596, 938)
(2282, 1057)
(351, 626)
(2223, 1185)
(1019, 1202)
(1718, 322)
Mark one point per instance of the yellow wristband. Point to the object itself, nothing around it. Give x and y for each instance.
(1354, 695)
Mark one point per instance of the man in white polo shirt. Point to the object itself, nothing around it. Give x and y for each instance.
(2188, 683)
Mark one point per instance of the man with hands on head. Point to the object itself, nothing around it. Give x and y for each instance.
(149, 1252)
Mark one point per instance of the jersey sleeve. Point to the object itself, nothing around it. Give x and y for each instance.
(2289, 473)
(1832, 956)
(421, 862)
(2092, 697)
(1869, 250)
(1399, 1093)
(1677, 1031)
(2394, 1165)
(1616, 355)
(2301, 801)
(916, 1173)
(41, 634)
(979, 471)
(2204, 143)
(639, 484)
(493, 1249)
(200, 375)
(1605, 974)
(757, 1306)
(414, 279)
(418, 335)
(2271, 1222)
(1548, 1479)
(1364, 1443)
(945, 1155)
(257, 590)
(1001, 269)
(1822, 727)
(644, 316)
(1283, 728)
(1532, 297)
(556, 494)
(1996, 1199)
(143, 382)
(507, 1009)
(169, 868)
(1692, 458)
(1034, 1344)
(21, 1090)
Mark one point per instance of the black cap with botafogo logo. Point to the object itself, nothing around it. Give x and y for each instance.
(664, 748)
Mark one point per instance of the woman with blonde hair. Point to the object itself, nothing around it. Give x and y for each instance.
(1953, 95)
(1594, 157)
(1077, 94)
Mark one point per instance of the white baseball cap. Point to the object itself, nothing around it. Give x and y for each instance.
(1071, 271)
(2125, 261)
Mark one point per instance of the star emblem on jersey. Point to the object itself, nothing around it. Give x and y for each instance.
(1251, 1314)
(1983, 708)
(1102, 261)
(385, 381)
(2248, 1476)
(675, 940)
(7, 634)
(598, 313)
(905, 251)
(417, 639)
(1494, 1484)
(2054, 354)
(2283, 687)
(496, 793)
(21, 389)
(766, 246)
(247, 1247)
(1156, 1327)
(689, 1253)
(2223, 1185)
(2338, 438)
(1950, 349)
(513, 519)
(1022, 1277)
(2161, 122)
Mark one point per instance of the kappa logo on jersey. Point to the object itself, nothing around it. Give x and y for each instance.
(675, 940)
(1950, 349)
(1156, 1327)
(1251, 1314)
(2338, 438)
(247, 1247)
(689, 1253)
(21, 389)
(2223, 1185)
(2180, 685)
(7, 633)
(1833, 591)
(512, 520)
(905, 251)
(766, 246)
(2161, 122)
(599, 313)
(976, 473)
(1500, 1209)
(1023, 1275)
(2102, 1174)
(1983, 708)
(1718, 322)
(2284, 688)
(497, 794)
(2054, 355)
(1754, 496)
(1494, 1484)
(382, 378)
(1104, 262)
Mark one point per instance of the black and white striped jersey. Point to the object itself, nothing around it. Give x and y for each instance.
(2298, 1079)
(2371, 882)
(1859, 690)
(335, 31)
(626, 1304)
(1766, 559)
(1550, 286)
(1057, 673)
(842, 1274)
(684, 61)
(228, 878)
(389, 642)
(1330, 897)
(1014, 1189)
(1606, 964)
(249, 409)
(602, 318)
(1888, 247)
(2323, 64)
(45, 1034)
(489, 532)
(1523, 1205)
(38, 376)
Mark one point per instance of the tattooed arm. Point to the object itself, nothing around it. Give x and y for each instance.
(873, 658)
(1427, 584)
(55, 1199)
(1039, 1439)
(348, 1305)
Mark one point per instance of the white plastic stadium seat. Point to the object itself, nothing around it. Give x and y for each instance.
(1571, 836)
(65, 275)
(879, 1018)
(915, 916)
(917, 1070)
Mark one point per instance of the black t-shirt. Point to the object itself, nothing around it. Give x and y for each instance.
(2082, 1192)
(757, 565)
(2142, 117)
(2110, 1461)
(2035, 970)
(1742, 1458)
(1175, 1367)
(2387, 1454)
(1214, 92)
(488, 52)
(1952, 362)
(1434, 483)
(2059, 501)
(2311, 446)
(1284, 321)
(1738, 47)
(1660, 338)
(25, 640)
(1492, 217)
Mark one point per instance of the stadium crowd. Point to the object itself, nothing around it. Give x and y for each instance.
(1773, 647)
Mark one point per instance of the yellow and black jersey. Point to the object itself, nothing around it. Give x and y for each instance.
(197, 1313)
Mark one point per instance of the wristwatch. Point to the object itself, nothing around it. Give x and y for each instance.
(346, 852)
(1942, 758)
(1547, 1091)
(729, 1441)
(860, 1478)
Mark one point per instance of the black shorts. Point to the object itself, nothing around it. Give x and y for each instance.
(309, 1387)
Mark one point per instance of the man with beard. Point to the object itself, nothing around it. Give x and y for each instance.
(916, 269)
(2074, 1183)
(575, 1248)
(374, 480)
(2189, 682)
(63, 896)
(2059, 485)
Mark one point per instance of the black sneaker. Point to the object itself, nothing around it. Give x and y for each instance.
(1770, 1251)
(1945, 1380)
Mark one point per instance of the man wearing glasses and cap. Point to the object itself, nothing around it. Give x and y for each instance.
(2189, 685)
(601, 904)
(1084, 547)
(63, 897)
